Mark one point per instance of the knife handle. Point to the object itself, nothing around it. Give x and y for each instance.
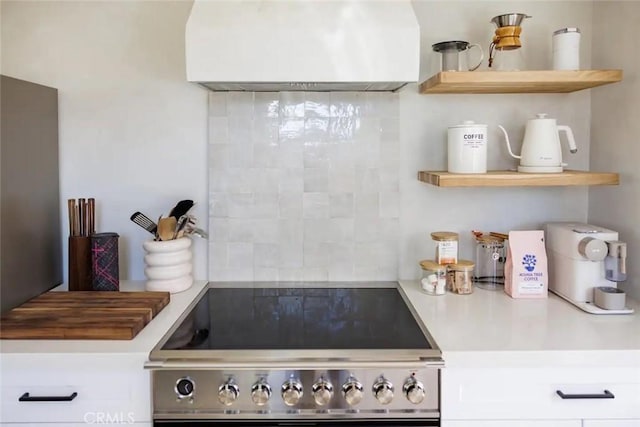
(71, 203)
(92, 216)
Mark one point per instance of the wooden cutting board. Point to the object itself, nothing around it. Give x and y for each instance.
(83, 315)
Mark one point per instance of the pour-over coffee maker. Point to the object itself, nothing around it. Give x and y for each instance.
(505, 50)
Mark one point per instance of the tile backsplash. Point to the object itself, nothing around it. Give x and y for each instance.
(304, 186)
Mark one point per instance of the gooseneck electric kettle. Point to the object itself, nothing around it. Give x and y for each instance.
(541, 151)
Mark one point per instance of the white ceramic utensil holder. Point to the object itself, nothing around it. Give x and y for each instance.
(168, 265)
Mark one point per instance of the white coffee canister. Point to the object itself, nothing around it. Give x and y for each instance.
(467, 148)
(566, 49)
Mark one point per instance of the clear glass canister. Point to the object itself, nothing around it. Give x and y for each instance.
(434, 277)
(490, 258)
(446, 247)
(460, 277)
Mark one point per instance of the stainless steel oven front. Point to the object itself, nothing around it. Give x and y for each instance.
(369, 362)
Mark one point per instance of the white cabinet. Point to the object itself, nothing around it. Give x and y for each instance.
(532, 394)
(99, 389)
(611, 423)
(512, 423)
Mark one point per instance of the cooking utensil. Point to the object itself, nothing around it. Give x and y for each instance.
(92, 216)
(182, 222)
(541, 151)
(509, 19)
(71, 206)
(145, 222)
(181, 208)
(167, 228)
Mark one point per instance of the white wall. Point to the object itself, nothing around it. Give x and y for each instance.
(615, 128)
(132, 130)
(424, 120)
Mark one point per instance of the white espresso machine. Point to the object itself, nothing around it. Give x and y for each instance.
(585, 264)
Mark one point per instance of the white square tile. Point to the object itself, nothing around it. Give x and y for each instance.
(292, 104)
(390, 128)
(266, 131)
(218, 230)
(341, 205)
(315, 274)
(265, 156)
(367, 205)
(316, 129)
(341, 261)
(240, 205)
(291, 180)
(218, 180)
(367, 230)
(218, 207)
(367, 154)
(342, 155)
(389, 179)
(240, 130)
(290, 155)
(265, 274)
(369, 130)
(266, 181)
(290, 274)
(240, 156)
(291, 238)
(340, 230)
(317, 104)
(217, 104)
(290, 205)
(316, 155)
(343, 128)
(389, 204)
(244, 274)
(217, 255)
(315, 205)
(240, 230)
(291, 129)
(316, 230)
(218, 130)
(240, 255)
(342, 180)
(239, 180)
(240, 104)
(266, 104)
(219, 156)
(265, 230)
(389, 229)
(367, 180)
(265, 205)
(266, 255)
(316, 180)
(316, 254)
(345, 104)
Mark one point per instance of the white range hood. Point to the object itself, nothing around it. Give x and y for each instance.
(310, 45)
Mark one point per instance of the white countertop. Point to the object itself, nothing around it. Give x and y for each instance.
(141, 343)
(486, 328)
(489, 328)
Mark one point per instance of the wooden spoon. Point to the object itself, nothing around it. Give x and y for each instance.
(166, 228)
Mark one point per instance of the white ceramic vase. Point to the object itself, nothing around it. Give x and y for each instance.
(168, 265)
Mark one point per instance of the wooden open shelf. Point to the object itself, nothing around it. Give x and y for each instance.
(517, 179)
(547, 81)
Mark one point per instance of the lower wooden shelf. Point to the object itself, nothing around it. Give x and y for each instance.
(518, 179)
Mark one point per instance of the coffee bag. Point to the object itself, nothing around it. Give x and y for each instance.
(525, 271)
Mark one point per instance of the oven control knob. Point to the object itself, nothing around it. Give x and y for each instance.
(260, 393)
(352, 391)
(322, 392)
(291, 392)
(383, 391)
(184, 388)
(228, 393)
(413, 390)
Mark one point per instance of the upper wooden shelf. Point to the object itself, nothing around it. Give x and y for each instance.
(547, 81)
(517, 179)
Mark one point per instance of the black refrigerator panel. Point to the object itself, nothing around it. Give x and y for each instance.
(30, 229)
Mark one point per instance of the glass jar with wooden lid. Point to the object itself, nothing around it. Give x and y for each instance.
(434, 277)
(446, 247)
(460, 277)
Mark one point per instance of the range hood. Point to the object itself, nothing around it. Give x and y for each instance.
(302, 45)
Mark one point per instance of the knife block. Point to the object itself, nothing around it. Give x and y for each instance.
(80, 263)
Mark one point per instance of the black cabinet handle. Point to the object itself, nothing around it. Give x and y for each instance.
(605, 395)
(27, 398)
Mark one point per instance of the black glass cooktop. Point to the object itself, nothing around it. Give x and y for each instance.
(297, 319)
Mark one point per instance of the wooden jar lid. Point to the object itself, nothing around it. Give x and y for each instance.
(444, 235)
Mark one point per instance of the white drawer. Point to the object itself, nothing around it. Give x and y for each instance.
(108, 390)
(511, 393)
